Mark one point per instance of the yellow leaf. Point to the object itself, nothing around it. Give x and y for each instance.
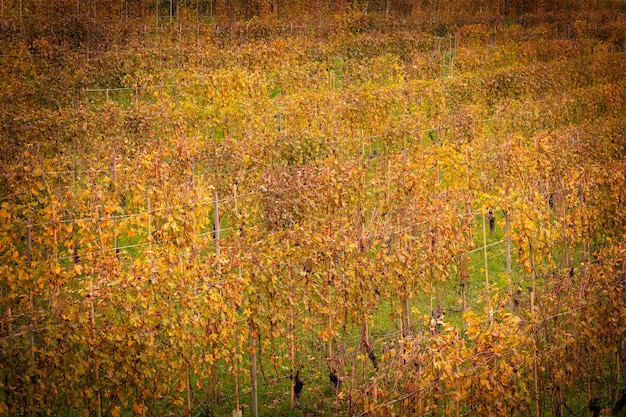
(324, 335)
(138, 408)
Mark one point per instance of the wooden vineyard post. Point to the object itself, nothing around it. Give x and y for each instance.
(197, 31)
(291, 336)
(406, 320)
(388, 193)
(565, 227)
(292, 343)
(509, 275)
(253, 367)
(458, 380)
(216, 217)
(93, 316)
(331, 272)
(536, 378)
(329, 343)
(218, 253)
(149, 253)
(617, 372)
(533, 280)
(583, 245)
(121, 203)
(535, 328)
(216, 238)
(29, 244)
(237, 412)
(464, 277)
(149, 227)
(31, 336)
(485, 256)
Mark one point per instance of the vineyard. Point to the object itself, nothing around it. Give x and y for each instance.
(291, 208)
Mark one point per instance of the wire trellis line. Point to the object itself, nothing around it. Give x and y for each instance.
(121, 217)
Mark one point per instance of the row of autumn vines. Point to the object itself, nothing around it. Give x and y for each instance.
(196, 217)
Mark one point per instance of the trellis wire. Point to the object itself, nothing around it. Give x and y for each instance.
(232, 198)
